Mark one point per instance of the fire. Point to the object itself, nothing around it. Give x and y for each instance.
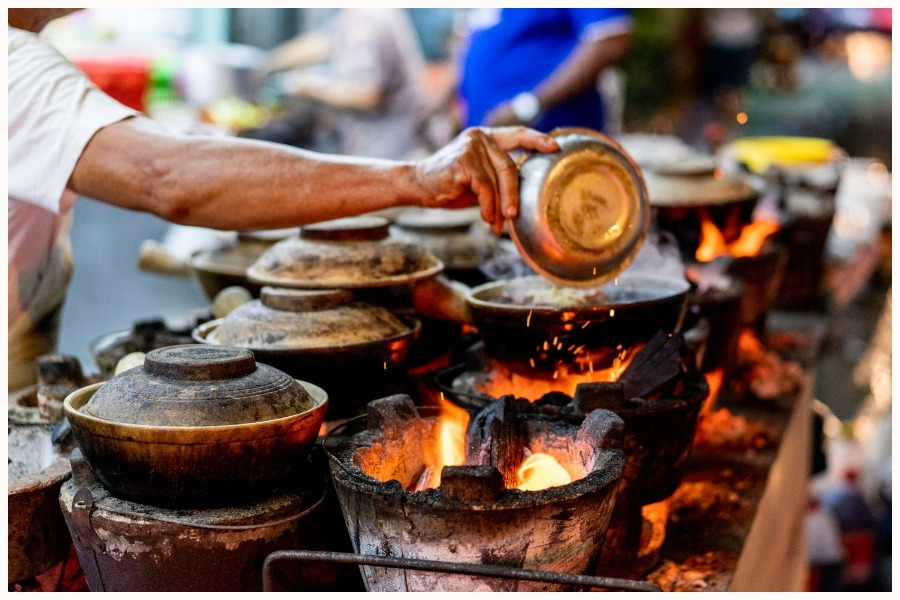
(450, 446)
(713, 244)
(749, 344)
(502, 381)
(537, 471)
(540, 471)
(714, 379)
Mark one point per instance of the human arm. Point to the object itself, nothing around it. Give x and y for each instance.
(302, 51)
(239, 184)
(363, 96)
(601, 45)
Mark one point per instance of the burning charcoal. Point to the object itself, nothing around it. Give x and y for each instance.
(496, 438)
(602, 428)
(471, 483)
(656, 365)
(600, 394)
(388, 414)
(557, 399)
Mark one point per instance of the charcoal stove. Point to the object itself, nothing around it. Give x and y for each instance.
(129, 546)
(191, 469)
(660, 418)
(472, 516)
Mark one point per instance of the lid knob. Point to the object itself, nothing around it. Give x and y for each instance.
(351, 229)
(199, 362)
(292, 300)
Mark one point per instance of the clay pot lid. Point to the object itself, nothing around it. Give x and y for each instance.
(197, 385)
(356, 252)
(283, 319)
(437, 219)
(583, 211)
(695, 181)
(233, 256)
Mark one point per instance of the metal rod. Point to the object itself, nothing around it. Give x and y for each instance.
(418, 564)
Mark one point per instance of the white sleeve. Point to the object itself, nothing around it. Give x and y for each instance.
(53, 112)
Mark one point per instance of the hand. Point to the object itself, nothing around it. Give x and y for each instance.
(502, 116)
(475, 168)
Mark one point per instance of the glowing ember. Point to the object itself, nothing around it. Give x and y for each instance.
(540, 471)
(713, 244)
(655, 518)
(750, 345)
(500, 381)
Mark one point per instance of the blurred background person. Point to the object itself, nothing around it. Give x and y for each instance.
(540, 66)
(366, 69)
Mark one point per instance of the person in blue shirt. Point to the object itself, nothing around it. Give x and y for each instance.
(539, 66)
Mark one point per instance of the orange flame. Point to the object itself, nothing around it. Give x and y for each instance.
(713, 244)
(537, 472)
(540, 471)
(715, 380)
(501, 381)
(749, 344)
(450, 443)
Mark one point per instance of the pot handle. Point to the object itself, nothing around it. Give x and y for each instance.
(442, 298)
(154, 257)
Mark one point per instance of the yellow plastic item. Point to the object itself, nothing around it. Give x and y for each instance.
(759, 153)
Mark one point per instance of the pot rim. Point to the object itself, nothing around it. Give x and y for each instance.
(598, 481)
(544, 244)
(208, 434)
(200, 262)
(202, 331)
(678, 287)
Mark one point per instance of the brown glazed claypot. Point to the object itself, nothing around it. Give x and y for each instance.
(196, 425)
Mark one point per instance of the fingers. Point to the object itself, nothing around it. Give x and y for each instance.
(507, 182)
(511, 138)
(477, 166)
(503, 199)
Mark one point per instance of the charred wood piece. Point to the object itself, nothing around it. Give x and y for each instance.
(656, 365)
(601, 394)
(496, 438)
(471, 483)
(390, 413)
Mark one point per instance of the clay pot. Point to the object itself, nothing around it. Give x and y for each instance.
(196, 425)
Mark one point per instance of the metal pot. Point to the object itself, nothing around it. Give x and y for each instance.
(523, 332)
(196, 426)
(583, 211)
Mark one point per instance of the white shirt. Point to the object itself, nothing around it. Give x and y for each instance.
(53, 112)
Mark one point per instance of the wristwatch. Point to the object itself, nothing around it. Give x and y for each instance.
(526, 107)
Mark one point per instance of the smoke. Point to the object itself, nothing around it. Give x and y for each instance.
(659, 255)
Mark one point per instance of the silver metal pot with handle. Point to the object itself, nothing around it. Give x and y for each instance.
(583, 211)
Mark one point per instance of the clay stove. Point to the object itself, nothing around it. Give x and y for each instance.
(473, 513)
(659, 401)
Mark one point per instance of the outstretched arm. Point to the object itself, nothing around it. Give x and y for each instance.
(238, 184)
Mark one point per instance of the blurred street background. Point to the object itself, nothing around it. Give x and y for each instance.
(809, 72)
